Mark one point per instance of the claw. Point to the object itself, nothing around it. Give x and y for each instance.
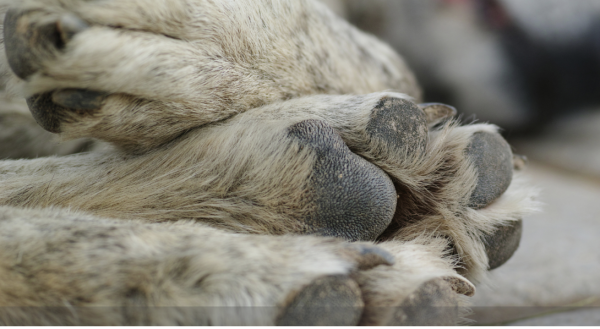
(437, 112)
(372, 256)
(69, 25)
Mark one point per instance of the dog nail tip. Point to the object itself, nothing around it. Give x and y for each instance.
(70, 25)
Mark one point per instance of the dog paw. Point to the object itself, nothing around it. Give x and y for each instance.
(456, 184)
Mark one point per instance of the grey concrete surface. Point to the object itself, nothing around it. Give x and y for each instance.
(577, 317)
(572, 144)
(558, 261)
(556, 269)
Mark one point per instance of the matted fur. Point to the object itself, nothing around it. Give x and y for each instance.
(202, 95)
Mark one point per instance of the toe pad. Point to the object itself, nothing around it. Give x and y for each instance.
(328, 301)
(502, 244)
(492, 157)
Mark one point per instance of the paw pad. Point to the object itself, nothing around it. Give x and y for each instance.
(434, 303)
(502, 244)
(328, 301)
(492, 157)
(400, 124)
(27, 44)
(353, 198)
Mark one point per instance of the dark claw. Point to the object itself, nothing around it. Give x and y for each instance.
(372, 256)
(493, 159)
(502, 244)
(328, 301)
(79, 99)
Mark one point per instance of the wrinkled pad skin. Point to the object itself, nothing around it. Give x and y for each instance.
(492, 157)
(354, 199)
(502, 244)
(328, 301)
(401, 124)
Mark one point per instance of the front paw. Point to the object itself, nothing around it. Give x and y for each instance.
(87, 75)
(461, 186)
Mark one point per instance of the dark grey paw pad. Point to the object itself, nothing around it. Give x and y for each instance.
(492, 157)
(502, 244)
(400, 124)
(328, 301)
(434, 303)
(353, 198)
(27, 44)
(51, 108)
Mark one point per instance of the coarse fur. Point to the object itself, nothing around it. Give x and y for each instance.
(228, 61)
(195, 207)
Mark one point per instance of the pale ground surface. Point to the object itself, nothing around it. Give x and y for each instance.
(554, 277)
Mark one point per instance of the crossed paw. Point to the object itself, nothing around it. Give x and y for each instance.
(266, 118)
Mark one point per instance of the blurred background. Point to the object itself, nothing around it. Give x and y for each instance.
(533, 68)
